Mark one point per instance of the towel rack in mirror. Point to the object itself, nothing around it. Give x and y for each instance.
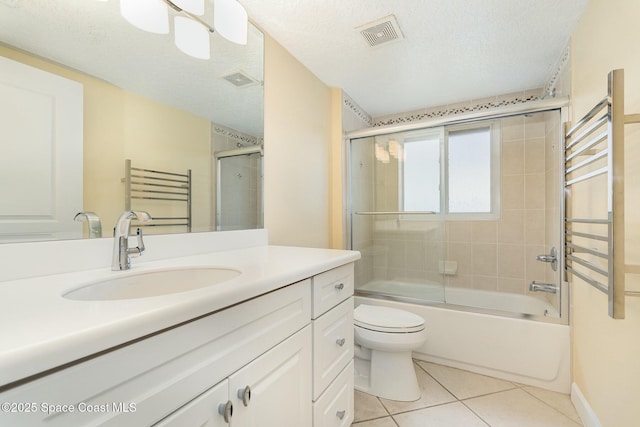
(155, 185)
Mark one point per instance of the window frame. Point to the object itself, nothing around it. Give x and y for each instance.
(495, 173)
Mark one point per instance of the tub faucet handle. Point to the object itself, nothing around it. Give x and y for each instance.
(551, 257)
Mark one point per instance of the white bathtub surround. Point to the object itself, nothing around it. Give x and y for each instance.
(525, 351)
(42, 330)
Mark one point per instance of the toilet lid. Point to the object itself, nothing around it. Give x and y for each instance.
(387, 319)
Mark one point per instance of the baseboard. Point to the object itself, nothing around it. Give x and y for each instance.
(588, 417)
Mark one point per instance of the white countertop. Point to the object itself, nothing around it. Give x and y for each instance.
(41, 330)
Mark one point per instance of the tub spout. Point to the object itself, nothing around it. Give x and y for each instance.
(543, 287)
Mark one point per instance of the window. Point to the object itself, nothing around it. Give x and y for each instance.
(468, 159)
(469, 170)
(421, 174)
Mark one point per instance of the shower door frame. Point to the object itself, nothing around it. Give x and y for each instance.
(561, 104)
(217, 158)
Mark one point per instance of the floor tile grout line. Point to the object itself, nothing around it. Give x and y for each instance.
(516, 386)
(434, 378)
(475, 413)
(488, 394)
(372, 419)
(383, 405)
(425, 407)
(545, 403)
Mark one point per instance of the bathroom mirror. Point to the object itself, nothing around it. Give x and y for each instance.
(142, 99)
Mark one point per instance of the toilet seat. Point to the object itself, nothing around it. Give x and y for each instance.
(387, 319)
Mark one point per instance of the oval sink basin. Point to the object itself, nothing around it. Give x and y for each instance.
(152, 283)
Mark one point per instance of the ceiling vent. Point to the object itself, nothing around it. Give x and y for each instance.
(240, 79)
(382, 31)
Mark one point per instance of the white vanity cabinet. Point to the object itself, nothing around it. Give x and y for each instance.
(332, 313)
(281, 359)
(273, 390)
(142, 383)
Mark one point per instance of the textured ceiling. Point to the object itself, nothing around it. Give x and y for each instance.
(92, 37)
(453, 50)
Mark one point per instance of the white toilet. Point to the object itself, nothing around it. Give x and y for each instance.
(384, 340)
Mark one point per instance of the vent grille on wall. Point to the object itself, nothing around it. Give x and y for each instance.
(240, 79)
(382, 31)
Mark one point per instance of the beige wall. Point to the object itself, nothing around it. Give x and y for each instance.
(297, 136)
(120, 125)
(606, 352)
(336, 173)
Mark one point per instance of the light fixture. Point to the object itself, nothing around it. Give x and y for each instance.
(230, 20)
(191, 37)
(396, 149)
(393, 148)
(192, 6)
(148, 15)
(381, 153)
(191, 32)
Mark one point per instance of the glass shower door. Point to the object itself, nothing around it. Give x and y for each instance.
(397, 229)
(239, 190)
(465, 214)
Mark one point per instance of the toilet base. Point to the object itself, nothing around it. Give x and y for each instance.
(394, 376)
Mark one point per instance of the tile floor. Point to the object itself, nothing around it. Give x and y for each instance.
(456, 398)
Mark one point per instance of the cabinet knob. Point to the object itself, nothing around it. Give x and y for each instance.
(340, 414)
(340, 286)
(341, 341)
(245, 395)
(226, 410)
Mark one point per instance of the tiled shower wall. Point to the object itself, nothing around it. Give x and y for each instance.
(501, 255)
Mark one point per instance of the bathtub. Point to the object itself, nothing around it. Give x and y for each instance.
(511, 348)
(488, 300)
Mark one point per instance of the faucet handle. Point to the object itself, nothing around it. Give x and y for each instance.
(138, 250)
(142, 216)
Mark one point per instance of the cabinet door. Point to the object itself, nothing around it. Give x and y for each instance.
(275, 389)
(203, 411)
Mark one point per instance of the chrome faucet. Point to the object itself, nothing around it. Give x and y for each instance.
(543, 287)
(93, 222)
(122, 253)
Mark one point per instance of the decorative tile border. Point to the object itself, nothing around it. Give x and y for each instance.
(356, 109)
(240, 137)
(444, 111)
(451, 110)
(549, 88)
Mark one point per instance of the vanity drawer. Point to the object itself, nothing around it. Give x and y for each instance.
(332, 345)
(331, 288)
(335, 406)
(201, 411)
(141, 383)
